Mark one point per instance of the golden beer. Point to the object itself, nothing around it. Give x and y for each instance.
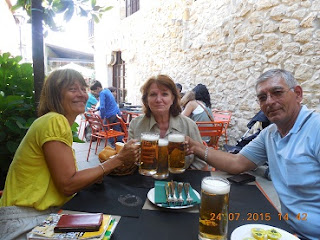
(176, 153)
(162, 161)
(149, 153)
(213, 219)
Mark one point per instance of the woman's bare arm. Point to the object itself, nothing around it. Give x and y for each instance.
(62, 166)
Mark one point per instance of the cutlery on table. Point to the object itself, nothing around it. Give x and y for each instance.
(173, 191)
(180, 187)
(187, 189)
(168, 194)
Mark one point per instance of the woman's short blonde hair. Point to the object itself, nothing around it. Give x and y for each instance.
(166, 81)
(55, 84)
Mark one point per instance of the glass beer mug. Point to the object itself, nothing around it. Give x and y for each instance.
(176, 153)
(214, 208)
(162, 160)
(149, 153)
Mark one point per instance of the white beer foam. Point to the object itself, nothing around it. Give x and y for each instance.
(215, 186)
(176, 137)
(162, 142)
(150, 137)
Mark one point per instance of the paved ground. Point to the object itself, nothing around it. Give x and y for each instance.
(81, 151)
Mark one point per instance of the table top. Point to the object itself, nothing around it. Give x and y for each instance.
(126, 196)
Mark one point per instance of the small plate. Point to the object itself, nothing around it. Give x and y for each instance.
(245, 231)
(151, 198)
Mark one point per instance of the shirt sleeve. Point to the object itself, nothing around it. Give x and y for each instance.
(255, 151)
(57, 129)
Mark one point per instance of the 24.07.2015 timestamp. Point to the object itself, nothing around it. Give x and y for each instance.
(256, 216)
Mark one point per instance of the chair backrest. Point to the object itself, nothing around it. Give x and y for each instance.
(212, 130)
(124, 128)
(221, 115)
(95, 122)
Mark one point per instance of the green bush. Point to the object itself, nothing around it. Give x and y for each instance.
(17, 107)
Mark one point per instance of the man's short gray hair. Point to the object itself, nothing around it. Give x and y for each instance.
(280, 73)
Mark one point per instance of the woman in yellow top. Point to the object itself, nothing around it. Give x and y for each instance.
(43, 174)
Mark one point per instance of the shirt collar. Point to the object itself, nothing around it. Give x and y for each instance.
(303, 116)
(174, 124)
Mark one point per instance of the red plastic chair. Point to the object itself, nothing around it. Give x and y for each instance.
(225, 117)
(212, 130)
(124, 127)
(100, 131)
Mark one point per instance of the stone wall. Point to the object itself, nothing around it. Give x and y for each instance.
(224, 44)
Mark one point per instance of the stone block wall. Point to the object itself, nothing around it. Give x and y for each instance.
(225, 44)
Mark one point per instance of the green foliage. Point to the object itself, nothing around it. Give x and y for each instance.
(74, 129)
(51, 8)
(17, 105)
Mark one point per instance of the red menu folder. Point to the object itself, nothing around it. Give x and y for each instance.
(89, 222)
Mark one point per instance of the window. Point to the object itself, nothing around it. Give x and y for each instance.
(132, 6)
(118, 80)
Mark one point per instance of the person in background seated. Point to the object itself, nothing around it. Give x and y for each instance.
(187, 97)
(179, 88)
(108, 108)
(43, 175)
(199, 106)
(92, 101)
(290, 145)
(113, 90)
(162, 110)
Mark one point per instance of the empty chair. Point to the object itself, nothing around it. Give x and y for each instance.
(225, 117)
(100, 130)
(124, 127)
(212, 130)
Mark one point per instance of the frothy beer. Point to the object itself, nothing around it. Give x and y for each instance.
(149, 153)
(213, 219)
(176, 153)
(162, 161)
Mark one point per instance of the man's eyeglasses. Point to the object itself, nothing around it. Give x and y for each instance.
(275, 94)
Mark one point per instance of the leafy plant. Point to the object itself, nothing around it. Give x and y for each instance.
(83, 8)
(17, 106)
(74, 129)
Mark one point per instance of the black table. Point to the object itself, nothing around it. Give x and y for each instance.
(125, 196)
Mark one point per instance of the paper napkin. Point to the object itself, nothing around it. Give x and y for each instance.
(161, 198)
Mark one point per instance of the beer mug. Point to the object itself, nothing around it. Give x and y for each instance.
(214, 208)
(162, 160)
(176, 153)
(149, 153)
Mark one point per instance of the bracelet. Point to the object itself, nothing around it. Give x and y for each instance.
(206, 154)
(103, 169)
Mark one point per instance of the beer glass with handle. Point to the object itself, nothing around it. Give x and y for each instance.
(214, 208)
(162, 160)
(176, 149)
(149, 153)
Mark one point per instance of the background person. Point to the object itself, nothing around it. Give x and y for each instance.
(92, 101)
(291, 147)
(162, 110)
(108, 107)
(198, 108)
(113, 90)
(179, 88)
(43, 175)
